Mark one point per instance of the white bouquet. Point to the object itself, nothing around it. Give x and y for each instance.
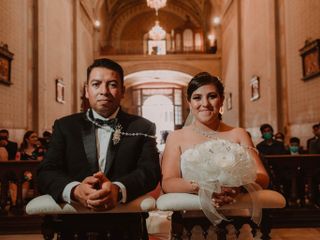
(217, 163)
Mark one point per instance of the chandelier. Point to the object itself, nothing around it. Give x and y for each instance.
(156, 4)
(157, 32)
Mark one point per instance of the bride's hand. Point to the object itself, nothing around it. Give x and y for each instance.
(226, 196)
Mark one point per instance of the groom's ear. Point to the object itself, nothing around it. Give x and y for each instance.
(86, 90)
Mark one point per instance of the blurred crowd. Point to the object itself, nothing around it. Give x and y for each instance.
(31, 148)
(274, 143)
(35, 148)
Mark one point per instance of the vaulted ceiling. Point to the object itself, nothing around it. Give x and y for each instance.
(124, 20)
(124, 23)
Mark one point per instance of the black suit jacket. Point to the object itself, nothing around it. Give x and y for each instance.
(72, 156)
(275, 148)
(308, 143)
(12, 148)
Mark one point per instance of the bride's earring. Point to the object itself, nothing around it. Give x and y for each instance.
(221, 110)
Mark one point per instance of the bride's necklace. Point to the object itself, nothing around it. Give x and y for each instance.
(208, 134)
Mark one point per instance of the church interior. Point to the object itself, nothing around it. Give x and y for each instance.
(266, 53)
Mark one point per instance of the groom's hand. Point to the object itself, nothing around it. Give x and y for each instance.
(106, 197)
(81, 192)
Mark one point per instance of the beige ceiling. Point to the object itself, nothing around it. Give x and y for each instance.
(128, 20)
(120, 16)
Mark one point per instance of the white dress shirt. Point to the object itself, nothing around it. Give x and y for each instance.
(103, 137)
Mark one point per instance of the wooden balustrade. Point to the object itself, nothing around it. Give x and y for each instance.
(16, 168)
(297, 177)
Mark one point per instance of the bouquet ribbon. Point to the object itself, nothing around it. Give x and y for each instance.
(213, 186)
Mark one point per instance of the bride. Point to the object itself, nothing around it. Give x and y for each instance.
(208, 157)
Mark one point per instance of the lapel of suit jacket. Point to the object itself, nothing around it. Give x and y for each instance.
(113, 148)
(90, 147)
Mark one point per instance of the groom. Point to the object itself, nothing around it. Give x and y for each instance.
(91, 162)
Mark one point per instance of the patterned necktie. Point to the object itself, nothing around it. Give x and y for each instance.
(111, 122)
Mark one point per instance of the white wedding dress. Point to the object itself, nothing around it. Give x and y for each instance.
(217, 163)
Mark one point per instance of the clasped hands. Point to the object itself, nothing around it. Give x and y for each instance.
(96, 192)
(226, 196)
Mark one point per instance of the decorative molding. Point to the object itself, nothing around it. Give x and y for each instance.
(255, 88)
(84, 17)
(60, 91)
(123, 16)
(5, 64)
(310, 56)
(88, 7)
(226, 6)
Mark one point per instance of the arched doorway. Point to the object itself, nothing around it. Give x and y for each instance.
(159, 109)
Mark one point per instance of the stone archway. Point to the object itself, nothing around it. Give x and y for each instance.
(159, 109)
(190, 64)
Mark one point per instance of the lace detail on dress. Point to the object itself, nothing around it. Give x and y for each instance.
(217, 163)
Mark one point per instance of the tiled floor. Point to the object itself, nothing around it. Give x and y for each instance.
(276, 234)
(296, 234)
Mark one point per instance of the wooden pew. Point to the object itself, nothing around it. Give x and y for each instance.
(297, 177)
(16, 168)
(187, 214)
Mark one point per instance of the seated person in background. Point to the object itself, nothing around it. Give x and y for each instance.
(3, 150)
(45, 140)
(30, 147)
(279, 136)
(11, 147)
(294, 146)
(314, 144)
(4, 157)
(29, 150)
(209, 157)
(270, 146)
(315, 128)
(164, 135)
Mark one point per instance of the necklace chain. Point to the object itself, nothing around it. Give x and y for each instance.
(208, 134)
(109, 129)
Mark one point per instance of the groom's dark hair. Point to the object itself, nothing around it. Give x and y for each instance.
(106, 63)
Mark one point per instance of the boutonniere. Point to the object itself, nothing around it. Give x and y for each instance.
(117, 134)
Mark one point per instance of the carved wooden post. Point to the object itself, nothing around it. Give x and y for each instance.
(16, 168)
(177, 226)
(4, 191)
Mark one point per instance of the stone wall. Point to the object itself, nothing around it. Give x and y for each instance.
(263, 38)
(50, 40)
(15, 99)
(302, 21)
(230, 63)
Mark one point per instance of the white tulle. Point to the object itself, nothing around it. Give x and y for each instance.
(217, 163)
(189, 119)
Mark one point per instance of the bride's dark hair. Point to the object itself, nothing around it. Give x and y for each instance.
(204, 78)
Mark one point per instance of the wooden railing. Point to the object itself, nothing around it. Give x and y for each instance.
(16, 169)
(297, 177)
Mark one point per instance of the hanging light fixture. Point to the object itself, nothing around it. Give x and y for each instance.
(157, 32)
(156, 4)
